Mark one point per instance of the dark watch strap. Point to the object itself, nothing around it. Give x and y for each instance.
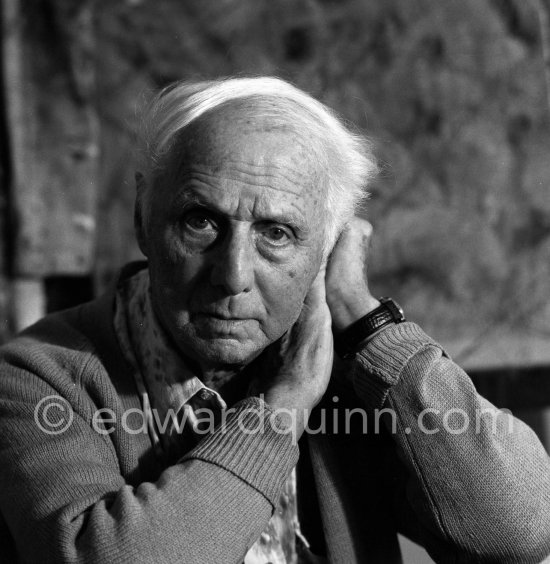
(387, 312)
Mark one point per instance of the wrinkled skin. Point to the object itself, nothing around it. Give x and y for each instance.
(235, 247)
(235, 238)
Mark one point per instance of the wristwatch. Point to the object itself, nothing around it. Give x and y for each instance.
(347, 342)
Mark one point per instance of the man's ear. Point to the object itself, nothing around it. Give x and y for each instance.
(139, 225)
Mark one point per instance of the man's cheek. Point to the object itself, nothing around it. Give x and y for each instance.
(283, 312)
(181, 273)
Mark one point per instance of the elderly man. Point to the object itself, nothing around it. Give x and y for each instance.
(196, 413)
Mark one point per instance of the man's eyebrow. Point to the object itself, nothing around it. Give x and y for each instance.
(188, 195)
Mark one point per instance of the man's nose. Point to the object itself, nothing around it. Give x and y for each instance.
(233, 268)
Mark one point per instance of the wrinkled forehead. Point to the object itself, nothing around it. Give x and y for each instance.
(259, 130)
(249, 157)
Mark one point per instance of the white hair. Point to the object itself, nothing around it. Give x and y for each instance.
(345, 156)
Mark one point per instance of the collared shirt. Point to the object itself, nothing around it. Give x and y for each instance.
(173, 397)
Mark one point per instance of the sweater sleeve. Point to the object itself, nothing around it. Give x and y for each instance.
(64, 499)
(477, 480)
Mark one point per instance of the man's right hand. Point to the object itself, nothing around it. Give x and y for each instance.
(299, 365)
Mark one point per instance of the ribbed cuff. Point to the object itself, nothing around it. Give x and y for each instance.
(378, 366)
(248, 445)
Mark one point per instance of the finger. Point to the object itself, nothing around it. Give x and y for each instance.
(362, 225)
(317, 294)
(358, 229)
(356, 234)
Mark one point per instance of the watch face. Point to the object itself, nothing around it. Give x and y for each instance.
(395, 309)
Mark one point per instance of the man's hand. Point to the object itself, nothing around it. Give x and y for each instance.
(299, 365)
(347, 290)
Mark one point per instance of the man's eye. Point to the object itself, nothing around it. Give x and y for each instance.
(199, 222)
(276, 235)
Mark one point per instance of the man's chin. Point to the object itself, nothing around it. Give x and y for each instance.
(224, 351)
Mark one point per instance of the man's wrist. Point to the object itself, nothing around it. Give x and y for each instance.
(348, 342)
(348, 312)
(292, 415)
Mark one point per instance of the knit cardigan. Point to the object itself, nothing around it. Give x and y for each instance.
(482, 495)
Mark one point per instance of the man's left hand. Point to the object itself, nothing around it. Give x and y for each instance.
(347, 290)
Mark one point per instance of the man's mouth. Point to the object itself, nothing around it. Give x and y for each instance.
(221, 324)
(222, 316)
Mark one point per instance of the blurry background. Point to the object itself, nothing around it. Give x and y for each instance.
(455, 94)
